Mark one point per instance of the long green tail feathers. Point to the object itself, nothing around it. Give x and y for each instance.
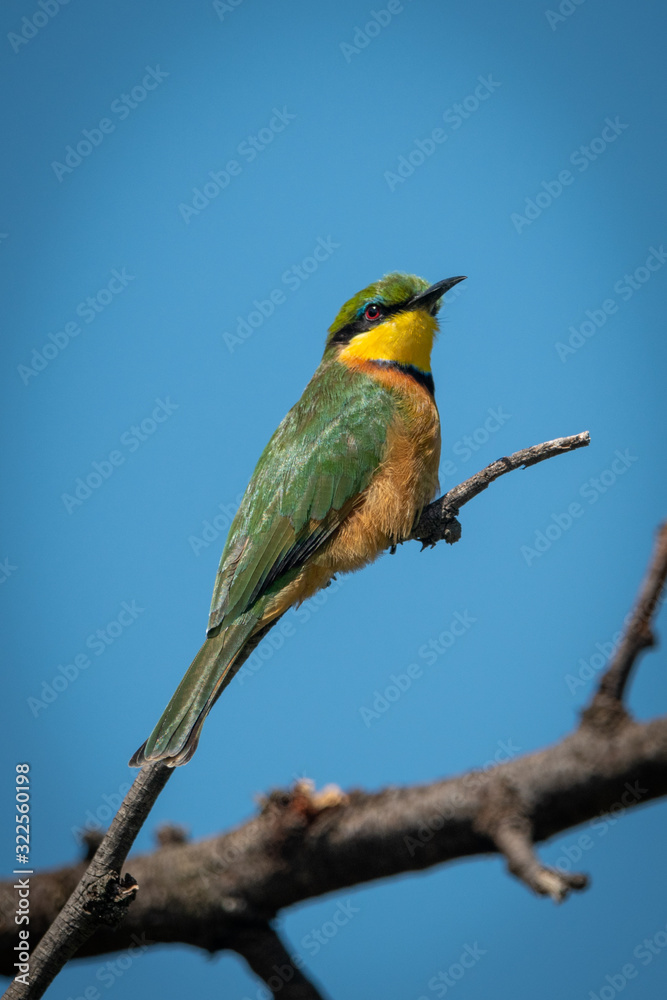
(175, 738)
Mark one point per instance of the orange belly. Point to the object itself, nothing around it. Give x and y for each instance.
(386, 511)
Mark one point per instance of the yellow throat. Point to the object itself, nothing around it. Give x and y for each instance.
(406, 338)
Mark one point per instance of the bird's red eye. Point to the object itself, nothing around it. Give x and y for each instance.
(372, 311)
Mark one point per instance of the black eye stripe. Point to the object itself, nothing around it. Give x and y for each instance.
(361, 325)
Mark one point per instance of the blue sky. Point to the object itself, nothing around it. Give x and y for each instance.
(190, 193)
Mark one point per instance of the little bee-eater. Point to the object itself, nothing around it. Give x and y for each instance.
(344, 477)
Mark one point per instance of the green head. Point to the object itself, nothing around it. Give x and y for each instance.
(393, 319)
(392, 290)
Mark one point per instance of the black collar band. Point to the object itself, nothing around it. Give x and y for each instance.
(424, 379)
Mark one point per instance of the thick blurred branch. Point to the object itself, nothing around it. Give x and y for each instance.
(303, 845)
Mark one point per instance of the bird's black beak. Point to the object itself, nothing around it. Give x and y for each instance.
(429, 299)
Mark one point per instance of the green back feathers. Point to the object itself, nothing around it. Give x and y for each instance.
(321, 457)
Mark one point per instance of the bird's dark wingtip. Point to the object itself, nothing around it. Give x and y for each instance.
(142, 759)
(138, 759)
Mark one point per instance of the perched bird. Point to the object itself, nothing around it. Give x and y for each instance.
(345, 476)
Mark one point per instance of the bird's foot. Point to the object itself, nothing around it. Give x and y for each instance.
(438, 525)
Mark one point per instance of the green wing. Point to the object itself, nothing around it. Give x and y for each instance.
(321, 457)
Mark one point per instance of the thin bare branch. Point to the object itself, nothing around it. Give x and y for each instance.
(438, 521)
